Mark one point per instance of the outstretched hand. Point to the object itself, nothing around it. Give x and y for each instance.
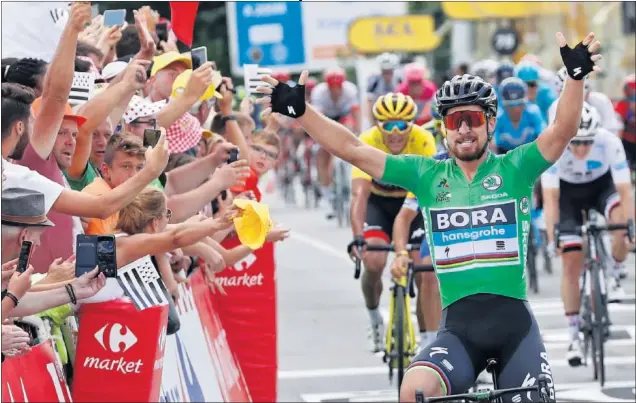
(281, 98)
(580, 60)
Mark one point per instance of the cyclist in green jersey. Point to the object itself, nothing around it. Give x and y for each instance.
(477, 223)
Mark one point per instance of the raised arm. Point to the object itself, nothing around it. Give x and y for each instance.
(100, 107)
(579, 63)
(334, 137)
(57, 82)
(85, 205)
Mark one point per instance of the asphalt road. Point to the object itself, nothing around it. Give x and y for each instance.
(323, 348)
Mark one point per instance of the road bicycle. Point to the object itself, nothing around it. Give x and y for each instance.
(401, 337)
(594, 313)
(491, 395)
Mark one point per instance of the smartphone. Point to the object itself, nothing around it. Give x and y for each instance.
(151, 137)
(199, 57)
(106, 255)
(85, 254)
(215, 202)
(234, 155)
(25, 256)
(161, 28)
(114, 17)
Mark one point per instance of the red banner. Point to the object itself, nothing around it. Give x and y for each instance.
(34, 377)
(119, 354)
(248, 314)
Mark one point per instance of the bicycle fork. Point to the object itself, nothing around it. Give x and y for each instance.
(391, 355)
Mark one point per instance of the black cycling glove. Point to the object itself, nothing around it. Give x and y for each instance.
(289, 101)
(358, 242)
(577, 61)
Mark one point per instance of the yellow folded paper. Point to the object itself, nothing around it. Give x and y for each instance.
(253, 225)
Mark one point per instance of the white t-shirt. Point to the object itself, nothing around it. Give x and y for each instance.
(607, 154)
(18, 176)
(321, 99)
(604, 107)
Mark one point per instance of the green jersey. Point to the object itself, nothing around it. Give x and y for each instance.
(478, 231)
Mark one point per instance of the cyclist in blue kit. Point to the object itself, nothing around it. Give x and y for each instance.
(519, 121)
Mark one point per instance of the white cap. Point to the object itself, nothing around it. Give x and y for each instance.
(111, 70)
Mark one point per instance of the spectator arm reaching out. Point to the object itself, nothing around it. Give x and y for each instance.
(189, 176)
(103, 206)
(95, 111)
(57, 82)
(232, 128)
(136, 246)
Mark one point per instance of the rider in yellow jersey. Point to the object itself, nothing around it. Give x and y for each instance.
(376, 204)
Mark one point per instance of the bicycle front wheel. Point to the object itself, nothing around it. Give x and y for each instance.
(599, 310)
(398, 334)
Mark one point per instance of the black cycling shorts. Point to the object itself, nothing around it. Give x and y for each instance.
(599, 194)
(483, 326)
(381, 213)
(630, 153)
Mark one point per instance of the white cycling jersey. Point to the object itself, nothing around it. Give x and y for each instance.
(604, 107)
(607, 154)
(321, 99)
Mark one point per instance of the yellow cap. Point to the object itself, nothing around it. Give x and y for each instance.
(161, 61)
(253, 225)
(182, 80)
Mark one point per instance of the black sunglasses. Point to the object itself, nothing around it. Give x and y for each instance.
(531, 84)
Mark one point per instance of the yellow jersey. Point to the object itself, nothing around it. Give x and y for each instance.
(420, 142)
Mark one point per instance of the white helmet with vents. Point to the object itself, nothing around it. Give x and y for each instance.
(388, 61)
(590, 122)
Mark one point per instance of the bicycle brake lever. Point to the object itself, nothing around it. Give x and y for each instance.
(542, 388)
(419, 396)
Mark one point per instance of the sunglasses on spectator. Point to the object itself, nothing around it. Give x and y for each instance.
(577, 143)
(531, 84)
(395, 126)
(269, 154)
(151, 122)
(472, 118)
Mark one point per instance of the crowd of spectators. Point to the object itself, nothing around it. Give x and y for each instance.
(88, 169)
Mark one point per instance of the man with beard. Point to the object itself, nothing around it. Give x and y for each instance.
(478, 230)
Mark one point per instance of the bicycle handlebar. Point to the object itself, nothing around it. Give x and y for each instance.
(489, 395)
(381, 248)
(593, 228)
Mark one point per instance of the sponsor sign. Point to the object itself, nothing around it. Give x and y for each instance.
(407, 33)
(34, 377)
(118, 345)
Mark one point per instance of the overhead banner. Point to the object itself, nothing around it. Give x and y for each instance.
(465, 10)
(32, 29)
(409, 33)
(296, 35)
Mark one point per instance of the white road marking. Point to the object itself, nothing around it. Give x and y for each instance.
(383, 370)
(320, 245)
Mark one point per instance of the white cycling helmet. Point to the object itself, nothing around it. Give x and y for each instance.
(562, 76)
(590, 122)
(485, 69)
(388, 61)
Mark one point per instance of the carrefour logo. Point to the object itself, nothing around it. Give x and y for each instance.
(119, 336)
(479, 216)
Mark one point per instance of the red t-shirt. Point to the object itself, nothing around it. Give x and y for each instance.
(251, 183)
(56, 241)
(629, 121)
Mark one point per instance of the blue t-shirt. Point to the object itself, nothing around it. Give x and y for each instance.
(530, 126)
(545, 97)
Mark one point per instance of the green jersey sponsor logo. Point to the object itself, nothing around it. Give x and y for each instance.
(492, 182)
